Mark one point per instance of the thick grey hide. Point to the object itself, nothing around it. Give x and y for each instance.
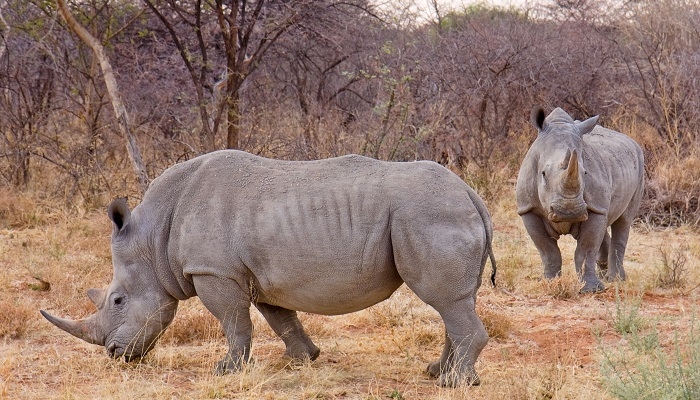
(328, 237)
(579, 178)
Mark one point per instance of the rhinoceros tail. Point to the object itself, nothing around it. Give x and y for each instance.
(493, 264)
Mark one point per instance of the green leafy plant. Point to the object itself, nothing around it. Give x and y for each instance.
(642, 369)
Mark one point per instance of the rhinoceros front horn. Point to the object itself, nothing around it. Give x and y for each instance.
(85, 329)
(571, 181)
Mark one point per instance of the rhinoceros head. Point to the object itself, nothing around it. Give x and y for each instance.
(561, 171)
(134, 310)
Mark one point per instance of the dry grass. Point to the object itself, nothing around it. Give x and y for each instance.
(15, 320)
(497, 325)
(545, 336)
(564, 287)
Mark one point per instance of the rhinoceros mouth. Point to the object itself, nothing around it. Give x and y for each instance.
(559, 216)
(117, 352)
(568, 211)
(555, 217)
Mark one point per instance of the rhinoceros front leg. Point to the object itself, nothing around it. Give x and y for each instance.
(545, 244)
(287, 326)
(230, 304)
(587, 247)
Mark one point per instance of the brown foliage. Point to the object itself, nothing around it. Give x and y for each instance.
(346, 78)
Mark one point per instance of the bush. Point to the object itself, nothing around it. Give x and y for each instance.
(641, 368)
(635, 372)
(627, 319)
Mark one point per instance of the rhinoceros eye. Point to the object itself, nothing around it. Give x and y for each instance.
(118, 300)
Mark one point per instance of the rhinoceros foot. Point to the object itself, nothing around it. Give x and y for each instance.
(302, 352)
(451, 379)
(231, 365)
(618, 276)
(434, 369)
(593, 287)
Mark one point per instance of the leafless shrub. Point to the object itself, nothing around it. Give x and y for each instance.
(673, 271)
(659, 46)
(672, 195)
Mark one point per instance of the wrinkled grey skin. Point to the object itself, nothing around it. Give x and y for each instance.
(579, 178)
(326, 237)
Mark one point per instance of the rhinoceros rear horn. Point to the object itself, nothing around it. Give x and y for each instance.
(85, 329)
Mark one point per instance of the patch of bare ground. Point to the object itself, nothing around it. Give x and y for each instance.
(546, 338)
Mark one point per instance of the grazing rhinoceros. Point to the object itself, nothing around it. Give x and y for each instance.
(327, 237)
(578, 178)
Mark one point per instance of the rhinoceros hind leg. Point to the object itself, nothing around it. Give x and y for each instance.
(620, 233)
(287, 326)
(448, 283)
(446, 373)
(436, 368)
(602, 261)
(468, 337)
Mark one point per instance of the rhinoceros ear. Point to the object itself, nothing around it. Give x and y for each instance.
(537, 117)
(119, 213)
(586, 126)
(97, 296)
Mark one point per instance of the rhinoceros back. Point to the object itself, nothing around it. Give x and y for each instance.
(615, 175)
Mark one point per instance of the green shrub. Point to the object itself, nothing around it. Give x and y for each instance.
(627, 319)
(644, 370)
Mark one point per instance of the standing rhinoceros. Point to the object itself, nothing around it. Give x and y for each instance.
(579, 178)
(327, 237)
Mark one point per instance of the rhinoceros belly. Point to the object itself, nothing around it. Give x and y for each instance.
(322, 251)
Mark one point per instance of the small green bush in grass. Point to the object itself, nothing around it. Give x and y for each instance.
(642, 369)
(627, 319)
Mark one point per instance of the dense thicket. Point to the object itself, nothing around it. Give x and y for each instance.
(309, 79)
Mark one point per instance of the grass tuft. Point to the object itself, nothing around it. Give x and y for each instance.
(497, 325)
(15, 319)
(562, 288)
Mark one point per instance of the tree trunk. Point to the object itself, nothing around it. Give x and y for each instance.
(233, 121)
(4, 31)
(113, 91)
